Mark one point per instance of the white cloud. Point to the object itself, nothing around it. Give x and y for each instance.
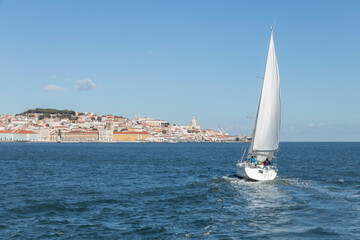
(54, 88)
(85, 84)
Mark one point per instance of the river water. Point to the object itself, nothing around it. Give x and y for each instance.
(176, 191)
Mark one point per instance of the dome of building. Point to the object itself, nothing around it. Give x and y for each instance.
(193, 122)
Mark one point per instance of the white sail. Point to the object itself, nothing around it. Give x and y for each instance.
(267, 126)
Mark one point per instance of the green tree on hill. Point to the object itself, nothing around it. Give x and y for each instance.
(46, 112)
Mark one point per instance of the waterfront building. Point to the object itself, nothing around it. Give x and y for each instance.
(106, 133)
(44, 134)
(23, 135)
(130, 136)
(18, 135)
(80, 136)
(6, 135)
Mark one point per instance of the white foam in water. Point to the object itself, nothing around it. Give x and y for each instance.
(207, 233)
(258, 194)
(295, 182)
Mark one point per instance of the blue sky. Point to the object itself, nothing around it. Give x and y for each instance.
(174, 60)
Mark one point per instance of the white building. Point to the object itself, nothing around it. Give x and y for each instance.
(44, 134)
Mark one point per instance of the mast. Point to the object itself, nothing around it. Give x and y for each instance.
(265, 138)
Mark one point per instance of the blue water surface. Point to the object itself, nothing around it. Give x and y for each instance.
(176, 191)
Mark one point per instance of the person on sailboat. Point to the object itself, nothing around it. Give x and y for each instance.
(267, 162)
(252, 160)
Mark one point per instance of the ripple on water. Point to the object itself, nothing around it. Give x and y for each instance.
(175, 191)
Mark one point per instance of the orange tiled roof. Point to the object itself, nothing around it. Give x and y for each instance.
(18, 131)
(7, 131)
(24, 131)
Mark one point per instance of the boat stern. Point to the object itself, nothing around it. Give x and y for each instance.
(256, 173)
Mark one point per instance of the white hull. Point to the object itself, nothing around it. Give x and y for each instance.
(255, 173)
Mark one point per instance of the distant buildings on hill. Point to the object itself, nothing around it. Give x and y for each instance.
(69, 126)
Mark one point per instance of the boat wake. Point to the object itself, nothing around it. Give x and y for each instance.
(258, 194)
(330, 190)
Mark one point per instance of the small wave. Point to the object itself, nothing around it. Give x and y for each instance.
(3, 226)
(207, 233)
(332, 191)
(321, 231)
(296, 182)
(151, 230)
(234, 180)
(220, 180)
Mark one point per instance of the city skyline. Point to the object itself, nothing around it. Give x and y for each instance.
(51, 125)
(176, 60)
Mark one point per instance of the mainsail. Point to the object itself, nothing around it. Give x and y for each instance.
(267, 126)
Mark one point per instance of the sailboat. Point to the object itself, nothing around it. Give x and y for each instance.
(259, 163)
